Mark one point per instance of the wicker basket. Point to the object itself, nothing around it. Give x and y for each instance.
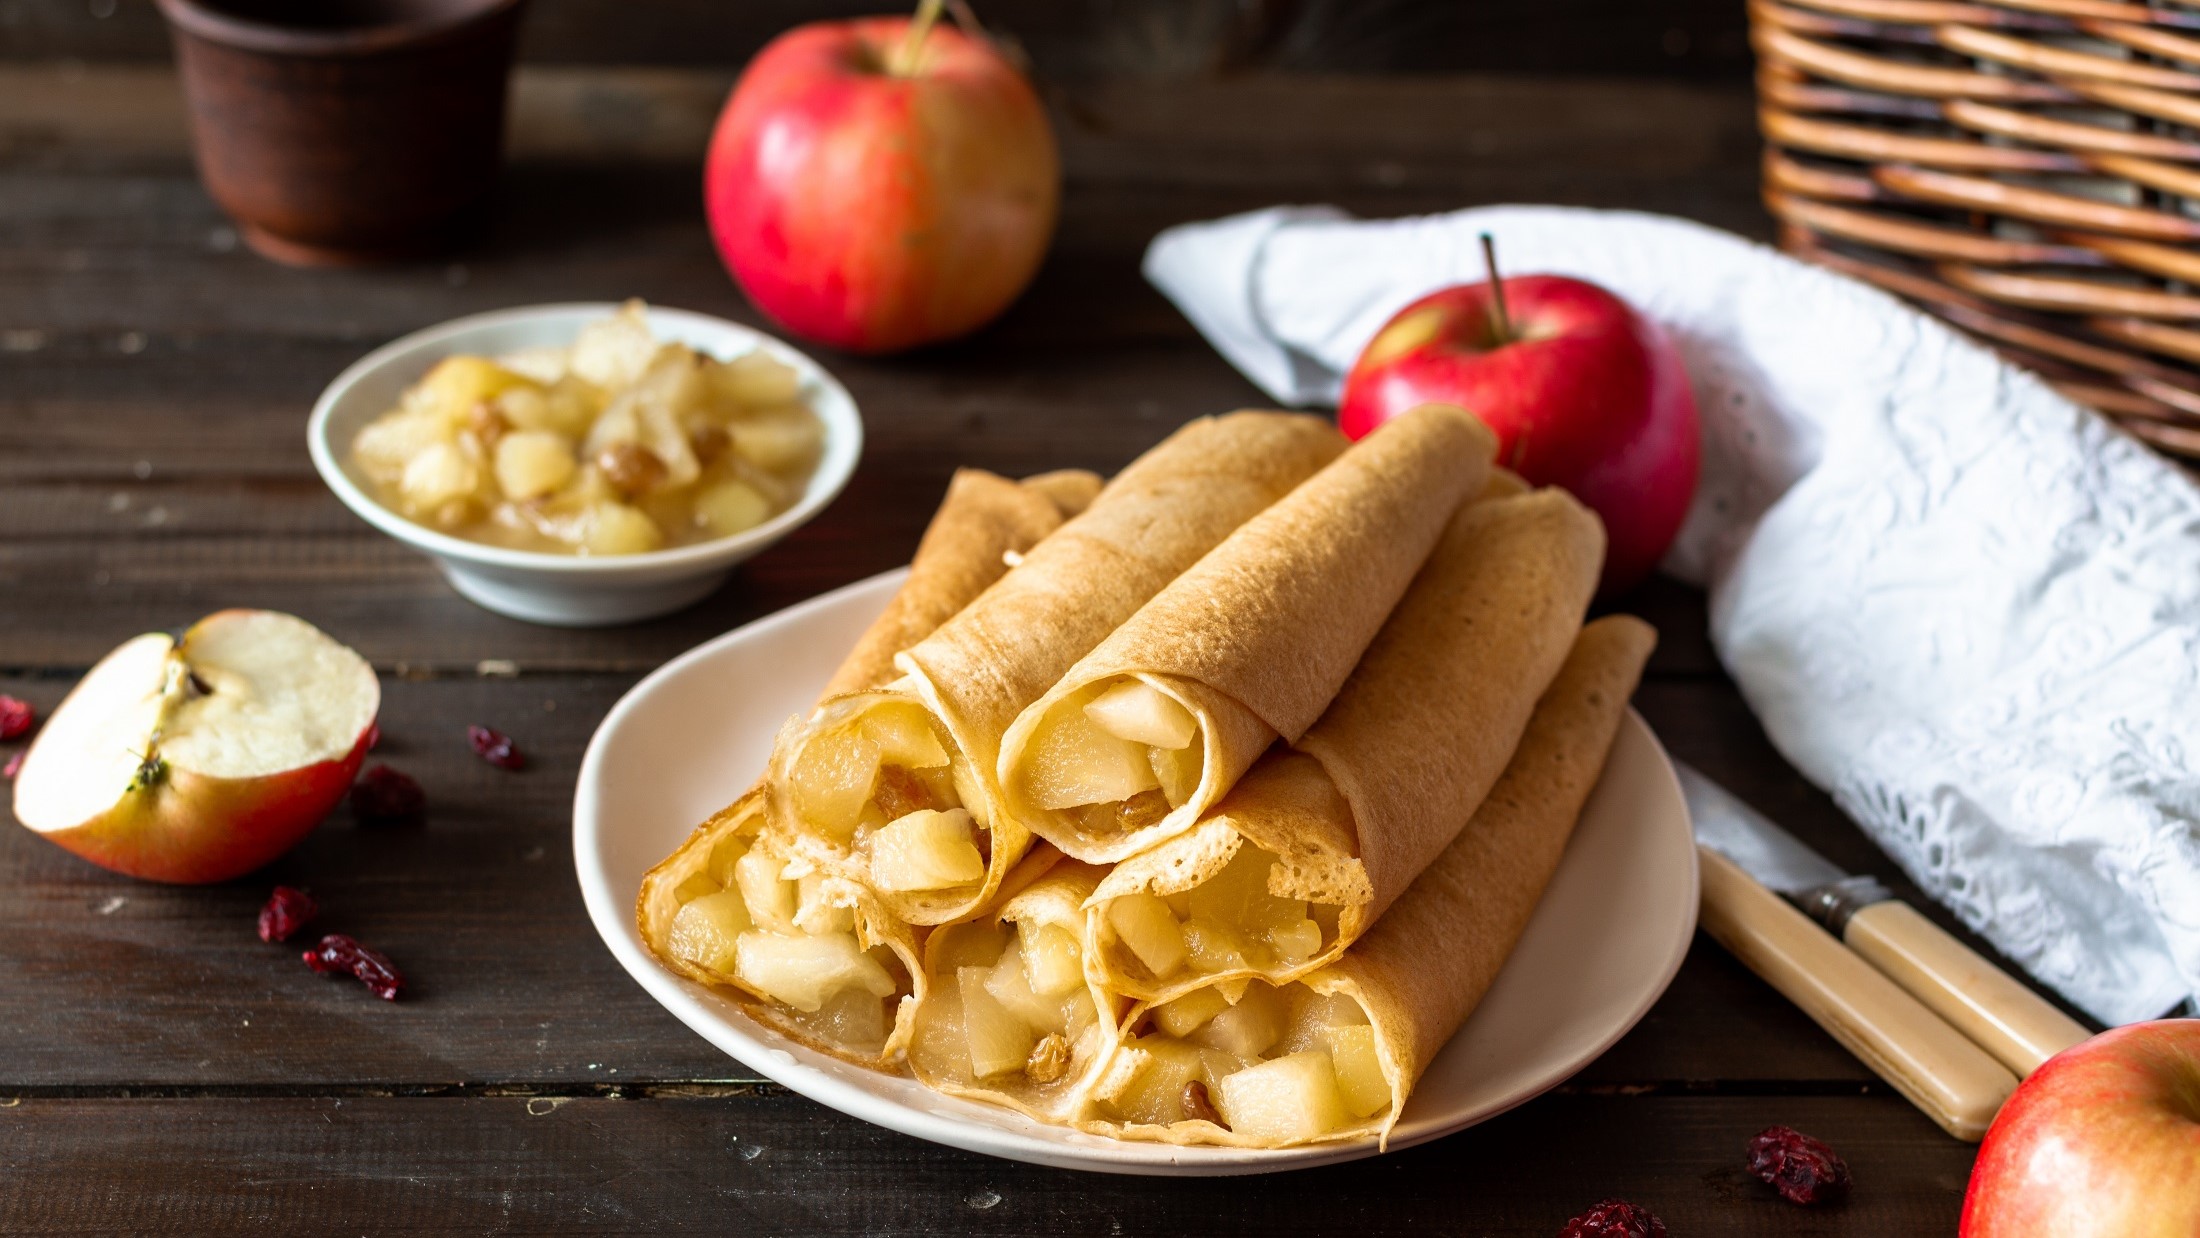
(2028, 170)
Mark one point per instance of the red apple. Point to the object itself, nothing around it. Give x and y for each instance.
(2103, 1141)
(203, 757)
(879, 184)
(1583, 392)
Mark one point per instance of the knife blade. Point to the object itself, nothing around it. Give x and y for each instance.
(2018, 1027)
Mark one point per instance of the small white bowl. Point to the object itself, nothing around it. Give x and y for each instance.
(570, 590)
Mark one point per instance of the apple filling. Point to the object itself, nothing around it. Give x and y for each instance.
(1228, 924)
(1009, 1011)
(886, 784)
(1274, 1066)
(787, 931)
(1115, 756)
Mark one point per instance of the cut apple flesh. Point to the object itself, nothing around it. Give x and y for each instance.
(886, 783)
(1280, 1065)
(1228, 923)
(1116, 756)
(1004, 1016)
(784, 931)
(201, 757)
(928, 849)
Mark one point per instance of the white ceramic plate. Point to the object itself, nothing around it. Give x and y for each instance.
(1603, 945)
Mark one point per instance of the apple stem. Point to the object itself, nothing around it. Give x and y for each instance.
(1503, 321)
(904, 60)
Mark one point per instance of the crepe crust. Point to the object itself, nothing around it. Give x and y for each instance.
(1055, 897)
(1413, 741)
(1478, 896)
(657, 905)
(1257, 636)
(1155, 519)
(981, 520)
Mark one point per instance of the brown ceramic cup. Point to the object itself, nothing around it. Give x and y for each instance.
(346, 131)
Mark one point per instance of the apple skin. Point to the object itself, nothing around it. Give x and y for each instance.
(874, 212)
(2102, 1141)
(1588, 395)
(191, 829)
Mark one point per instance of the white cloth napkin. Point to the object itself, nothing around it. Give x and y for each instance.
(1967, 608)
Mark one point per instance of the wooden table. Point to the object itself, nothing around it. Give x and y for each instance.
(162, 1070)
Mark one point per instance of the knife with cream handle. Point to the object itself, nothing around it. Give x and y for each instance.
(2018, 1027)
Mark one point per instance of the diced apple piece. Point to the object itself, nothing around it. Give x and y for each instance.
(613, 352)
(1312, 1016)
(617, 529)
(724, 854)
(904, 737)
(769, 895)
(853, 1017)
(1074, 762)
(1178, 771)
(1238, 897)
(442, 473)
(532, 463)
(1155, 1094)
(1143, 714)
(832, 780)
(384, 446)
(1144, 925)
(1053, 961)
(1079, 1014)
(928, 849)
(1250, 1027)
(1359, 1071)
(1211, 948)
(816, 910)
(694, 886)
(542, 363)
(1008, 985)
(1289, 1099)
(704, 932)
(999, 1041)
(1189, 1013)
(756, 380)
(804, 971)
(456, 384)
(780, 440)
(731, 507)
(1295, 943)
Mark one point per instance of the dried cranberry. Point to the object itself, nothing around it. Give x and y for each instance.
(1614, 1218)
(286, 912)
(16, 717)
(495, 747)
(338, 954)
(382, 796)
(1801, 1168)
(14, 766)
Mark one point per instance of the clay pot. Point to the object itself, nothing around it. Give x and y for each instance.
(347, 131)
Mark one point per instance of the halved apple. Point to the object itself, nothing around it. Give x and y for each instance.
(202, 757)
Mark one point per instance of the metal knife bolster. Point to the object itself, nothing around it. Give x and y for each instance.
(1836, 902)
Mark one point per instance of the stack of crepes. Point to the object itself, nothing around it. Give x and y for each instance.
(1199, 807)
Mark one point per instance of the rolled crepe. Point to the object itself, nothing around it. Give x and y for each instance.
(1008, 1015)
(898, 784)
(1335, 1055)
(1152, 727)
(825, 962)
(1316, 840)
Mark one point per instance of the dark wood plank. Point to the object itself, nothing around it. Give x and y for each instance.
(770, 1163)
(1153, 37)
